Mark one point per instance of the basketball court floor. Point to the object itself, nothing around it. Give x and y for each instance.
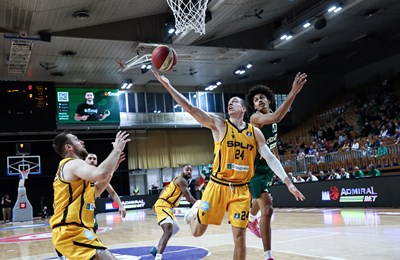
(298, 233)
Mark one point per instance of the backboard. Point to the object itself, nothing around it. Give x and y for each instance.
(16, 164)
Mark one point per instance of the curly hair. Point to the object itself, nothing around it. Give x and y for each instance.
(259, 89)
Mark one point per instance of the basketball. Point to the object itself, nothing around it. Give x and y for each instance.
(163, 58)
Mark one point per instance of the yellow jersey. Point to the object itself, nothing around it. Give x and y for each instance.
(234, 155)
(74, 201)
(172, 193)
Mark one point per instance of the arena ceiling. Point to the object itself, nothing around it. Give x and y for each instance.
(68, 49)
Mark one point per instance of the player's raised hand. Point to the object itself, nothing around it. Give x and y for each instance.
(298, 82)
(163, 80)
(120, 140)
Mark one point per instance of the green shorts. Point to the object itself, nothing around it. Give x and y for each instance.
(260, 183)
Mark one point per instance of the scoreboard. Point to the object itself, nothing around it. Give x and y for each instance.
(27, 106)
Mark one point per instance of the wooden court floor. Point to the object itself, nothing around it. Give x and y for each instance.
(298, 233)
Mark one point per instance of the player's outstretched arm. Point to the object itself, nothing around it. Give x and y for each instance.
(275, 165)
(279, 114)
(183, 185)
(202, 117)
(116, 198)
(101, 185)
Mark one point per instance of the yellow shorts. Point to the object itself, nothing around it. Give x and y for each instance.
(218, 198)
(163, 210)
(76, 242)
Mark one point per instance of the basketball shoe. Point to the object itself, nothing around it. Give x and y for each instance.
(153, 251)
(191, 212)
(254, 228)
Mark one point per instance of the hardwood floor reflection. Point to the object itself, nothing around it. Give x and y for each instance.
(297, 234)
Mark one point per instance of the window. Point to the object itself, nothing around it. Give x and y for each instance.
(279, 99)
(131, 103)
(122, 102)
(219, 104)
(141, 102)
(211, 102)
(159, 106)
(169, 105)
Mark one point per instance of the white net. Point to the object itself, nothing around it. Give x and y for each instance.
(24, 173)
(189, 15)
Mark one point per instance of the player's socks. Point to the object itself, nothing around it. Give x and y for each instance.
(158, 257)
(153, 251)
(268, 255)
(252, 218)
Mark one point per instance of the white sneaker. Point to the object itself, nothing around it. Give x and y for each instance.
(191, 212)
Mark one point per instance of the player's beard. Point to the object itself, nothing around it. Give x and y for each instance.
(82, 153)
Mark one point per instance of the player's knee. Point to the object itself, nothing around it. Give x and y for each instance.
(240, 239)
(268, 211)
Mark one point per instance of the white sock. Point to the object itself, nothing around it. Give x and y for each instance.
(158, 257)
(267, 254)
(252, 218)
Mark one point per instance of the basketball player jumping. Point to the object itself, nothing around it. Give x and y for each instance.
(260, 98)
(236, 143)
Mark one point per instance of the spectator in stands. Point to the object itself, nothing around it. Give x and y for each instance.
(372, 171)
(341, 139)
(376, 143)
(344, 174)
(355, 145)
(276, 180)
(311, 177)
(383, 132)
(322, 176)
(397, 136)
(299, 179)
(382, 149)
(366, 149)
(334, 175)
(290, 176)
(357, 173)
(346, 146)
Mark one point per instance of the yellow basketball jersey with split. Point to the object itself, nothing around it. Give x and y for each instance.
(172, 193)
(73, 218)
(234, 155)
(169, 198)
(74, 201)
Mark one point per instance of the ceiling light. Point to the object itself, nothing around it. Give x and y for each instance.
(145, 67)
(81, 14)
(334, 8)
(249, 65)
(283, 37)
(127, 84)
(306, 24)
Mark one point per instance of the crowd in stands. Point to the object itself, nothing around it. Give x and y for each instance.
(365, 124)
(332, 174)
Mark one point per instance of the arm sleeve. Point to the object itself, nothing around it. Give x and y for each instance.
(273, 162)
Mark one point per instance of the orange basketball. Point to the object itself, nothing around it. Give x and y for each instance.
(163, 58)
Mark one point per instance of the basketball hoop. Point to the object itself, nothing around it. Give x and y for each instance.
(24, 174)
(189, 15)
